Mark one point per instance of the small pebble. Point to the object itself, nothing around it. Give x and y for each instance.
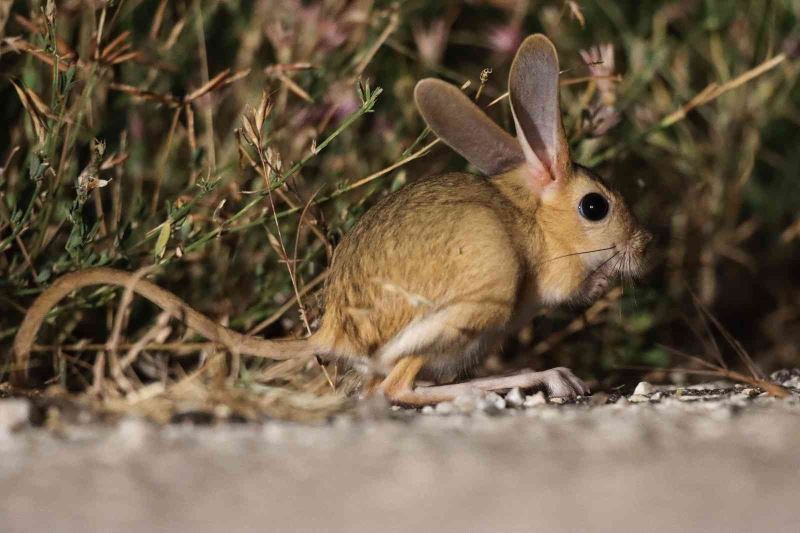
(132, 433)
(644, 388)
(622, 401)
(223, 412)
(492, 402)
(445, 408)
(535, 399)
(656, 396)
(558, 400)
(14, 414)
(514, 398)
(467, 403)
(428, 410)
(638, 398)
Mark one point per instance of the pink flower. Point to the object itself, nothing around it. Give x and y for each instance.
(600, 60)
(603, 114)
(602, 118)
(505, 39)
(431, 41)
(344, 99)
(328, 32)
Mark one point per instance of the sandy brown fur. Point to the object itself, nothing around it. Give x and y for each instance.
(433, 236)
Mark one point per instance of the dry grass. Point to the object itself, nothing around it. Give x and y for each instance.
(238, 141)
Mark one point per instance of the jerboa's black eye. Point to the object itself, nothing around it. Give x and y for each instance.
(593, 206)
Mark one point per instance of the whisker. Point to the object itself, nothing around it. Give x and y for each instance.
(601, 265)
(612, 247)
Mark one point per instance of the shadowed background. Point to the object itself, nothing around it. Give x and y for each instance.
(689, 107)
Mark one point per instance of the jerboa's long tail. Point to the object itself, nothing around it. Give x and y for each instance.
(233, 340)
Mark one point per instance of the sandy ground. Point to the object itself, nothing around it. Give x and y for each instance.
(726, 463)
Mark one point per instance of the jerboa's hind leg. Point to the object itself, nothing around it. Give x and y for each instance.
(452, 329)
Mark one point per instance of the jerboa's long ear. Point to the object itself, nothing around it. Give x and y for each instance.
(533, 92)
(461, 124)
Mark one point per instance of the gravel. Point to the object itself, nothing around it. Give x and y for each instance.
(515, 398)
(638, 398)
(643, 389)
(789, 377)
(535, 399)
(492, 403)
(709, 458)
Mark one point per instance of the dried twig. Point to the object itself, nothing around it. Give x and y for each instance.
(714, 90)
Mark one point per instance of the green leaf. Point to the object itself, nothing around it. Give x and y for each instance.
(163, 238)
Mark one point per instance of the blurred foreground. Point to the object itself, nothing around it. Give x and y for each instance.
(709, 460)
